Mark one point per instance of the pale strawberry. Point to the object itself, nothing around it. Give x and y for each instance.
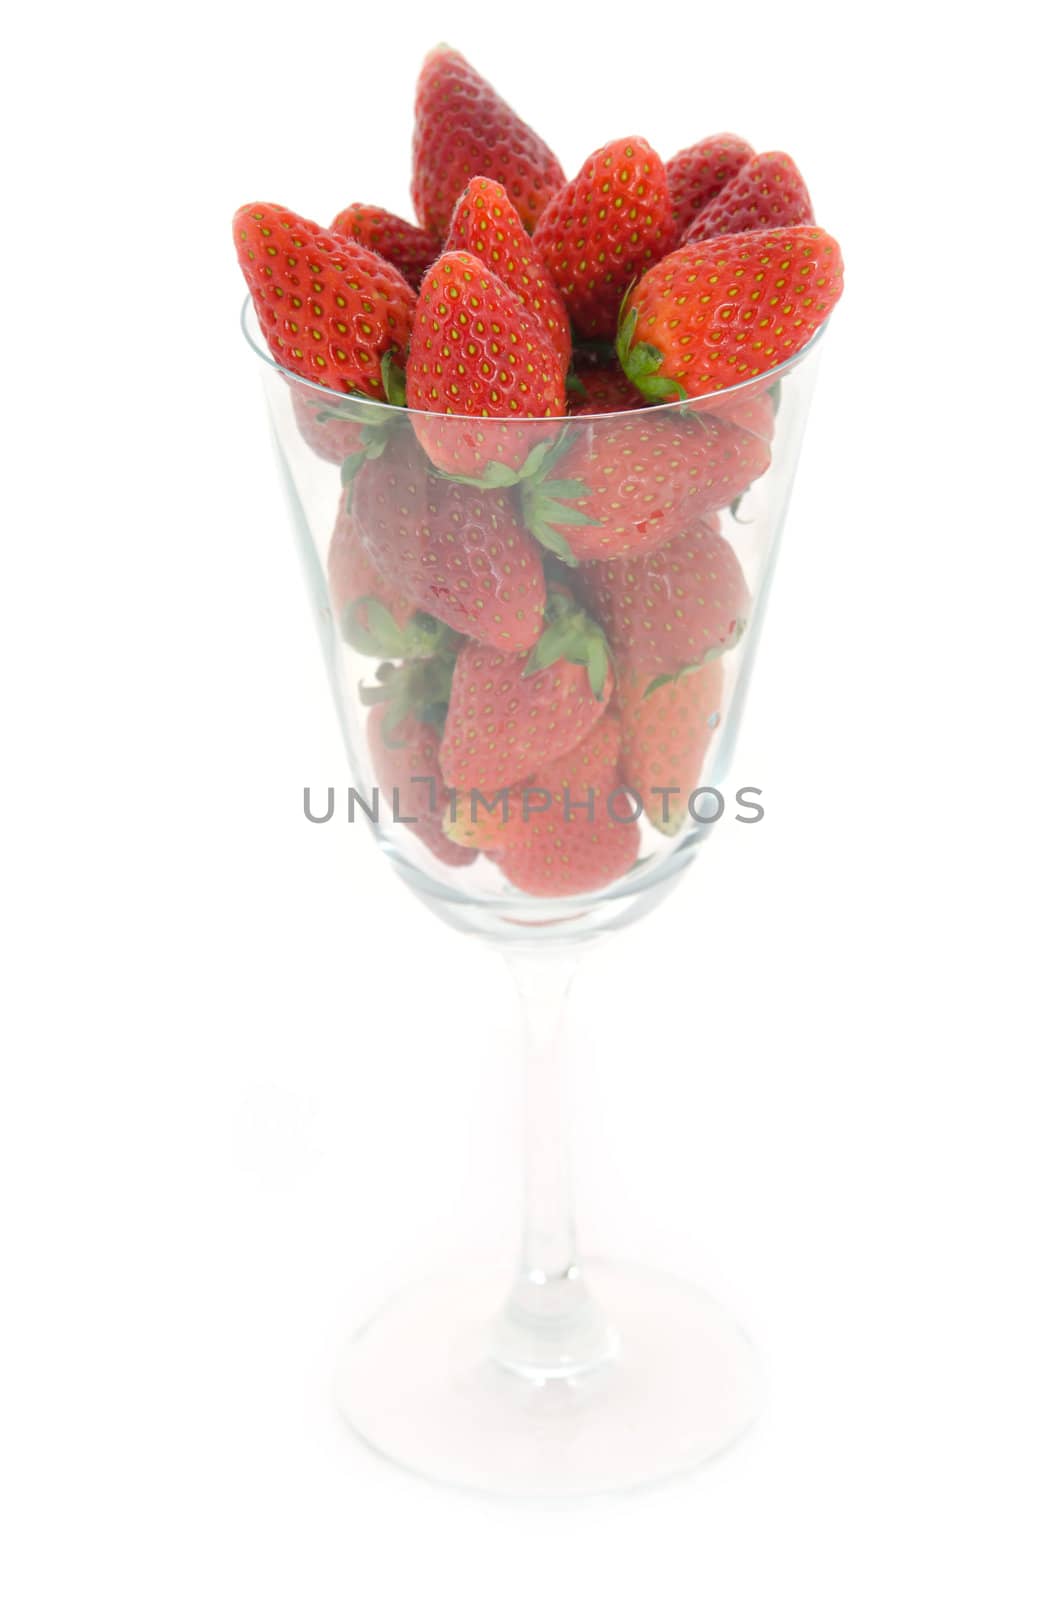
(354, 578)
(509, 715)
(504, 820)
(571, 830)
(674, 608)
(754, 409)
(486, 224)
(458, 552)
(666, 732)
(626, 484)
(576, 857)
(405, 757)
(325, 430)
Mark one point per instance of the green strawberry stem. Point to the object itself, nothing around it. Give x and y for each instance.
(370, 628)
(542, 500)
(375, 423)
(499, 476)
(712, 654)
(572, 635)
(641, 362)
(419, 689)
(541, 510)
(393, 379)
(353, 463)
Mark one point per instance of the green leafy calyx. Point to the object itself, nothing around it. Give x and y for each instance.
(571, 635)
(417, 689)
(697, 666)
(370, 628)
(496, 475)
(641, 362)
(545, 503)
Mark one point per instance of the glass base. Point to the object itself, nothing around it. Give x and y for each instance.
(421, 1385)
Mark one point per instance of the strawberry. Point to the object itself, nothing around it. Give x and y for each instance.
(405, 758)
(485, 823)
(715, 314)
(665, 734)
(596, 391)
(571, 830)
(354, 578)
(458, 552)
(332, 436)
(477, 352)
(486, 224)
(408, 248)
(509, 715)
(578, 856)
(329, 309)
(674, 608)
(696, 175)
(625, 485)
(754, 410)
(769, 192)
(344, 430)
(603, 229)
(465, 130)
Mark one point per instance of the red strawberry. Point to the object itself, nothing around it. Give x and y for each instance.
(769, 192)
(406, 766)
(465, 130)
(755, 410)
(405, 246)
(715, 314)
(504, 821)
(458, 552)
(353, 576)
(332, 436)
(624, 485)
(575, 857)
(592, 763)
(596, 391)
(476, 352)
(509, 715)
(665, 735)
(571, 830)
(697, 174)
(599, 233)
(486, 224)
(329, 309)
(670, 610)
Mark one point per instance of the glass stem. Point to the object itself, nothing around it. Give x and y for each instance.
(550, 1327)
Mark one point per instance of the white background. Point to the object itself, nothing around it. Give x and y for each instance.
(251, 1085)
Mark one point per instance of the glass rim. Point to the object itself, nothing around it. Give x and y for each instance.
(252, 334)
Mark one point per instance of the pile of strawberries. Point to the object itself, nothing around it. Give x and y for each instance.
(549, 602)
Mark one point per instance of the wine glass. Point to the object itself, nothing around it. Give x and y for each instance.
(556, 1378)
